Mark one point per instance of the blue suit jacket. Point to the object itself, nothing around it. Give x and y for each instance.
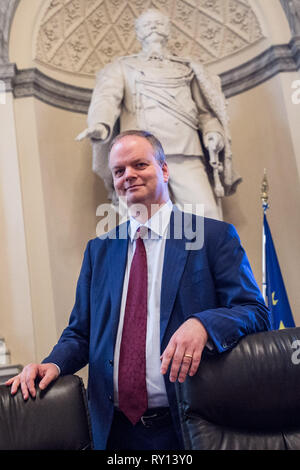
(213, 283)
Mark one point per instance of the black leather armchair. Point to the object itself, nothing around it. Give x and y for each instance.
(57, 419)
(247, 398)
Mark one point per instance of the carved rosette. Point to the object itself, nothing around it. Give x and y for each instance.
(81, 36)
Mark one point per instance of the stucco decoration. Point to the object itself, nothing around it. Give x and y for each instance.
(81, 36)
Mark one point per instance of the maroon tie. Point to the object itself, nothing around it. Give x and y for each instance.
(133, 399)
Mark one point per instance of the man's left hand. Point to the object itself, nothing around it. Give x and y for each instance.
(184, 350)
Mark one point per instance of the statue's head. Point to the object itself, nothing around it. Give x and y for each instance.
(153, 26)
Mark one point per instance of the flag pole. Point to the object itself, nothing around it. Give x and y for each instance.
(265, 206)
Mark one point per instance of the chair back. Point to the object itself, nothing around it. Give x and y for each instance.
(247, 398)
(57, 419)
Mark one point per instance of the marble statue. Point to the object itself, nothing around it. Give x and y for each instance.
(292, 10)
(175, 99)
(4, 4)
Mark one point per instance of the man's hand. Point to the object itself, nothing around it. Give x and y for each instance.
(184, 350)
(26, 378)
(214, 141)
(97, 132)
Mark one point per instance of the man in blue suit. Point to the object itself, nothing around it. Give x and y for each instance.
(201, 299)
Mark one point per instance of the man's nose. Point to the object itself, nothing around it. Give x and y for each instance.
(130, 173)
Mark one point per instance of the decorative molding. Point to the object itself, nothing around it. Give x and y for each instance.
(7, 75)
(295, 50)
(276, 59)
(32, 82)
(80, 37)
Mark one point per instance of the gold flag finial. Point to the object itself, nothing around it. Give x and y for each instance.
(265, 191)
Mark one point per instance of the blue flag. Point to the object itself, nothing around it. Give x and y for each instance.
(278, 302)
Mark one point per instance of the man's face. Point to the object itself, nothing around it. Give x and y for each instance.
(152, 27)
(138, 177)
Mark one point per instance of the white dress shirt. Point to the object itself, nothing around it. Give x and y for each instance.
(155, 242)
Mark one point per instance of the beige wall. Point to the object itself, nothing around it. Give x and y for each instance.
(72, 193)
(15, 299)
(49, 195)
(262, 138)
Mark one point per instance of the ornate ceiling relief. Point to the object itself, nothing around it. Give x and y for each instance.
(81, 36)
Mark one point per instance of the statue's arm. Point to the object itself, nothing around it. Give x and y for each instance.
(105, 106)
(209, 125)
(208, 122)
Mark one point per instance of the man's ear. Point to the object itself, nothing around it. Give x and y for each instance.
(165, 170)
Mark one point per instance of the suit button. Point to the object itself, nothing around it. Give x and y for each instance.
(110, 398)
(111, 362)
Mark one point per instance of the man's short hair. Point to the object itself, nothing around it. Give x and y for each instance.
(159, 153)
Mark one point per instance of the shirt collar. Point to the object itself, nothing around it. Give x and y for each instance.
(158, 223)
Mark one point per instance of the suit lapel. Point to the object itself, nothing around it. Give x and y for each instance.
(117, 257)
(174, 262)
(175, 259)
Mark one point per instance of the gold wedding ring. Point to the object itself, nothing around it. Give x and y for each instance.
(188, 355)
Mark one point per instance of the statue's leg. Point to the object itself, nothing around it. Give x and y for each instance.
(189, 184)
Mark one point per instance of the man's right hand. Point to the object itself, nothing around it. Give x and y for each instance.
(46, 372)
